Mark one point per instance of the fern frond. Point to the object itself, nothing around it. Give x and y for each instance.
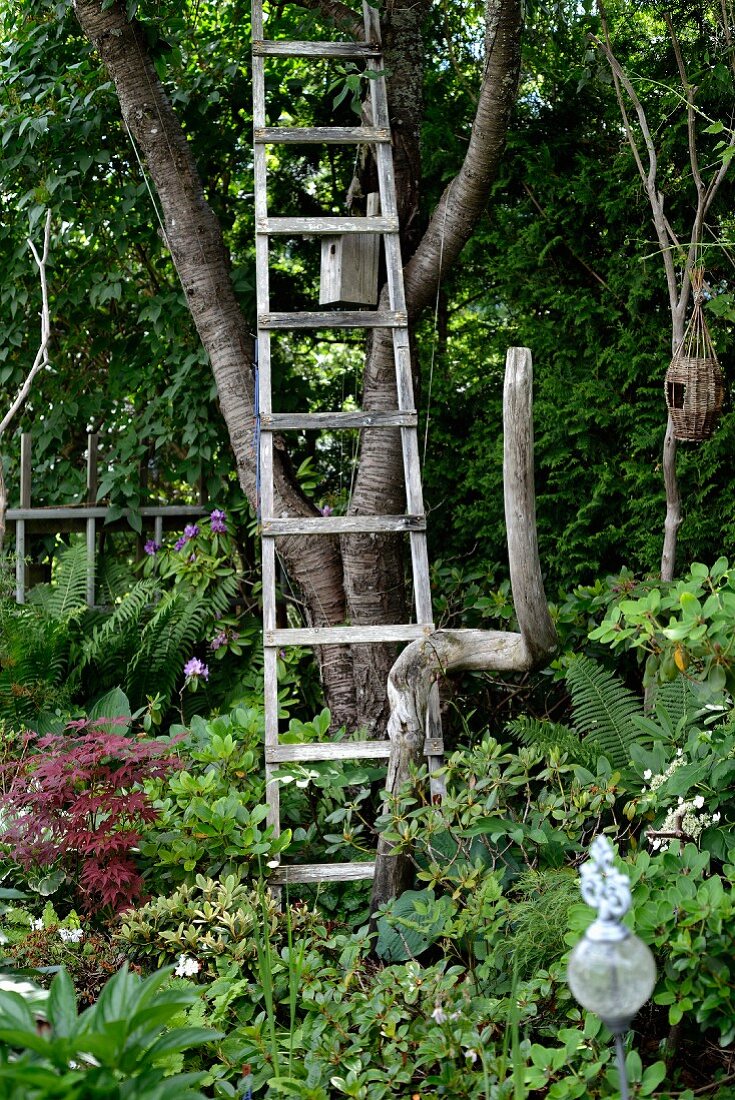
(127, 616)
(35, 671)
(115, 578)
(678, 700)
(546, 735)
(603, 710)
(166, 641)
(67, 592)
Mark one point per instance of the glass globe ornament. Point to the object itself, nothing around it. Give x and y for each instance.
(611, 971)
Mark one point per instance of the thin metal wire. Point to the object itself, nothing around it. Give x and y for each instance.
(436, 328)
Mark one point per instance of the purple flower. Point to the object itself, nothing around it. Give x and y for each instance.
(195, 668)
(217, 522)
(152, 547)
(326, 510)
(190, 531)
(223, 638)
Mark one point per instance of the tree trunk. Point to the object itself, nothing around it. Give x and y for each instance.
(373, 566)
(195, 239)
(364, 579)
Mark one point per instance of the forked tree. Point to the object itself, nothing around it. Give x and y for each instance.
(362, 579)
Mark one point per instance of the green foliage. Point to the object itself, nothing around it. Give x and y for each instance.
(603, 710)
(547, 736)
(693, 931)
(409, 924)
(216, 922)
(112, 1049)
(538, 917)
(35, 669)
(683, 627)
(211, 813)
(68, 593)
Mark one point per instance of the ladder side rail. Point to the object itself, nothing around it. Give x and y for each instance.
(256, 20)
(401, 350)
(264, 441)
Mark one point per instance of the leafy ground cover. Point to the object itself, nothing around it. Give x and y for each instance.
(145, 956)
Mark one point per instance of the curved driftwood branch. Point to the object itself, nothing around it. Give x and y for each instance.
(413, 678)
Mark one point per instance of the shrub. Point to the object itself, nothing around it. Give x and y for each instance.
(215, 923)
(210, 814)
(76, 806)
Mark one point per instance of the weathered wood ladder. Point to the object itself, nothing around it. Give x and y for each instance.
(404, 417)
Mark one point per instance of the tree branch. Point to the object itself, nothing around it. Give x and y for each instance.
(649, 176)
(465, 198)
(41, 359)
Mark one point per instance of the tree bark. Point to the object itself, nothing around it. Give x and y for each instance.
(374, 566)
(422, 663)
(194, 238)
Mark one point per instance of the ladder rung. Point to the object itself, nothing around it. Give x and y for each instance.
(274, 422)
(341, 525)
(342, 750)
(327, 226)
(321, 872)
(268, 48)
(315, 135)
(346, 635)
(352, 318)
(336, 750)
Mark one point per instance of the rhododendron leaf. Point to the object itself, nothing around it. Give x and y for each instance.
(61, 1008)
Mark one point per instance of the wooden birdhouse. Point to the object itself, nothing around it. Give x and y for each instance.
(694, 388)
(349, 265)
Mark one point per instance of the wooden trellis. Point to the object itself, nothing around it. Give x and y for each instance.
(404, 417)
(78, 517)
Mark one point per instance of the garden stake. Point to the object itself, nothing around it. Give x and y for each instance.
(611, 971)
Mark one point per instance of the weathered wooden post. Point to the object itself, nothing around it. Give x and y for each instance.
(423, 662)
(26, 472)
(92, 442)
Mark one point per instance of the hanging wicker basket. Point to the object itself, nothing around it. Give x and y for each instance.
(694, 388)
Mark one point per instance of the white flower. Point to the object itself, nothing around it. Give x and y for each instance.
(681, 801)
(471, 1055)
(679, 752)
(187, 967)
(439, 1016)
(648, 774)
(716, 817)
(273, 863)
(70, 935)
(36, 924)
(698, 802)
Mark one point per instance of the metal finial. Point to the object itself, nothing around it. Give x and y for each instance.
(607, 890)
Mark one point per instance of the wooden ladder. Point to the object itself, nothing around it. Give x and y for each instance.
(403, 417)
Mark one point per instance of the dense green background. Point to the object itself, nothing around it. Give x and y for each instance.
(564, 262)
